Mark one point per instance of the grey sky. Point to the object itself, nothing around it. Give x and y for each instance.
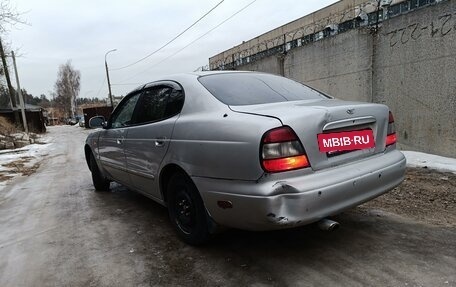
(84, 31)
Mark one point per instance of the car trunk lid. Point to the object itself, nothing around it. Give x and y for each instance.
(313, 117)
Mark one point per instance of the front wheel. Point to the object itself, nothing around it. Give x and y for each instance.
(99, 181)
(186, 210)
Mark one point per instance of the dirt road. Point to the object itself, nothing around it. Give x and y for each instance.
(56, 231)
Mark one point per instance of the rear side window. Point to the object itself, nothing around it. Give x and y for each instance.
(159, 103)
(240, 89)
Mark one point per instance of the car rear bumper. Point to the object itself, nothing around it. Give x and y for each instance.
(300, 200)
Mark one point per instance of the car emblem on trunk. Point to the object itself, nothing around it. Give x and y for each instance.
(351, 111)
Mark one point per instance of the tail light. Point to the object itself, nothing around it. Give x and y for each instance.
(281, 150)
(391, 134)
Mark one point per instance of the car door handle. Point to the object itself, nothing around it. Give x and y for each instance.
(159, 142)
(119, 141)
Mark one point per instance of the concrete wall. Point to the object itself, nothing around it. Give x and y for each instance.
(415, 74)
(340, 66)
(335, 13)
(410, 65)
(273, 65)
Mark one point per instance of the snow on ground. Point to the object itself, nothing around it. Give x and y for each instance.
(20, 161)
(440, 163)
(33, 151)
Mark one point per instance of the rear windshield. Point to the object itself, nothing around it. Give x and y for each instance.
(239, 89)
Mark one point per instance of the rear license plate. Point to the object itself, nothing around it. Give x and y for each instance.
(346, 141)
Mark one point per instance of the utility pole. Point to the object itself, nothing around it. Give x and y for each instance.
(10, 87)
(107, 76)
(21, 99)
(52, 109)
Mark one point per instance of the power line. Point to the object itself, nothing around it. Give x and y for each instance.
(99, 90)
(172, 55)
(170, 41)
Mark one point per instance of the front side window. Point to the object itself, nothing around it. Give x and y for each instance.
(124, 116)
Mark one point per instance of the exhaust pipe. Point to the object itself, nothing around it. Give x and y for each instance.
(328, 225)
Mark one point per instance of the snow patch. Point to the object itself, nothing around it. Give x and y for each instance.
(29, 156)
(440, 163)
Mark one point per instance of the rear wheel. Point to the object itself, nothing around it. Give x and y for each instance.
(186, 210)
(99, 181)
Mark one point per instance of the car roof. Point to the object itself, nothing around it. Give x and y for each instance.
(205, 73)
(189, 75)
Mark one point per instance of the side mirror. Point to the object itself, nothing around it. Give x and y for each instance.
(97, 122)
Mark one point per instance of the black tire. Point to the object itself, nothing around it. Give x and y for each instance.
(99, 181)
(186, 210)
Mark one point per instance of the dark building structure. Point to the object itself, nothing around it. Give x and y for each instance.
(35, 115)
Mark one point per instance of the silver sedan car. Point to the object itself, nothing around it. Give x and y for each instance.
(245, 150)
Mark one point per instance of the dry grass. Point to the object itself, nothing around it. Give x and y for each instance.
(425, 195)
(6, 127)
(18, 167)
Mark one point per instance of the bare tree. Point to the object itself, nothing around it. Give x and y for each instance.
(67, 88)
(8, 16)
